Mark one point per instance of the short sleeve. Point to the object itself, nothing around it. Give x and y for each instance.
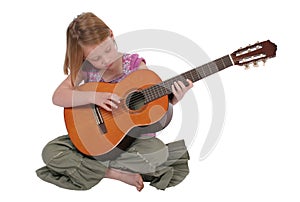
(135, 61)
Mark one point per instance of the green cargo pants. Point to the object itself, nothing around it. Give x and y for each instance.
(161, 165)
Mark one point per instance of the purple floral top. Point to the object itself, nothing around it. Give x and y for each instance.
(131, 63)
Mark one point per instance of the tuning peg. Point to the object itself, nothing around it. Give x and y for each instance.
(255, 64)
(246, 66)
(264, 62)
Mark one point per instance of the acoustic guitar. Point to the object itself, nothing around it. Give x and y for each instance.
(144, 106)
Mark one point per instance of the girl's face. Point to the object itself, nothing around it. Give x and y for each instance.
(103, 55)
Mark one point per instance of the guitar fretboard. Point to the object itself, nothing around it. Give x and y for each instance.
(196, 74)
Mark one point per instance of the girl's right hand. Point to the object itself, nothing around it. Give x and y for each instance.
(107, 101)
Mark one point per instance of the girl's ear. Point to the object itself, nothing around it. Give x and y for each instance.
(111, 34)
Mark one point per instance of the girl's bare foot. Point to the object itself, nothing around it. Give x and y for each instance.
(133, 179)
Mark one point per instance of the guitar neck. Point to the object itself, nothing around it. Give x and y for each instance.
(196, 74)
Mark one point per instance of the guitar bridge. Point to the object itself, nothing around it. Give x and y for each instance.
(98, 118)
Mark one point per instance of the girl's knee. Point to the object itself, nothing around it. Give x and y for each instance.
(50, 152)
(56, 148)
(156, 152)
(161, 153)
(161, 156)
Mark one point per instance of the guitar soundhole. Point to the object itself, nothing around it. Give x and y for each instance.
(135, 100)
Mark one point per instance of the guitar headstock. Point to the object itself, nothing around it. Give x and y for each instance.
(252, 54)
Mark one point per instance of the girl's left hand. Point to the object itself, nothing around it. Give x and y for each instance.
(179, 90)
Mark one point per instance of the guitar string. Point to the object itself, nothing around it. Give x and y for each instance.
(198, 73)
(193, 75)
(163, 88)
(157, 91)
(160, 90)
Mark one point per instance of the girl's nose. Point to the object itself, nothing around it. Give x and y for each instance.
(105, 61)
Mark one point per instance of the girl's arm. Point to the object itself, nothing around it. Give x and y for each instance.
(67, 96)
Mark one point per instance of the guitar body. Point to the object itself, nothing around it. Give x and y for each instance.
(117, 129)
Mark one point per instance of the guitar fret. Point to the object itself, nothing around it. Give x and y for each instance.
(194, 75)
(203, 75)
(209, 70)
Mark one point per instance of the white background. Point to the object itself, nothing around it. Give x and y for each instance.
(257, 156)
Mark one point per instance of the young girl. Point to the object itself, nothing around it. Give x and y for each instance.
(148, 158)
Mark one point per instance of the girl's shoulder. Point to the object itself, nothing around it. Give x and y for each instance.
(132, 61)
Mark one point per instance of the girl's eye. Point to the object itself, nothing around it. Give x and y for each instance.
(108, 50)
(96, 58)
